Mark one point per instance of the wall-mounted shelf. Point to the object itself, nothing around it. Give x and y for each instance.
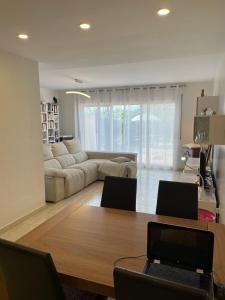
(50, 122)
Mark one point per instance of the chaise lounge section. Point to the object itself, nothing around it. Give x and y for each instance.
(69, 169)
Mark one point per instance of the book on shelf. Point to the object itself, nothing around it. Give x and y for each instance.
(43, 117)
(51, 124)
(50, 116)
(44, 126)
(43, 107)
(55, 108)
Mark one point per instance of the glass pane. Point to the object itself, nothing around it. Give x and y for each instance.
(103, 133)
(90, 128)
(161, 134)
(147, 129)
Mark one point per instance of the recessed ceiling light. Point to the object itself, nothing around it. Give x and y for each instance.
(78, 93)
(85, 26)
(163, 12)
(23, 36)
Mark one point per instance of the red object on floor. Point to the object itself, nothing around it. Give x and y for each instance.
(206, 215)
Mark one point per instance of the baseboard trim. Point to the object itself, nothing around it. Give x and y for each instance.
(21, 219)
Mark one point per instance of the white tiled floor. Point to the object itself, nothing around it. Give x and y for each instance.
(147, 188)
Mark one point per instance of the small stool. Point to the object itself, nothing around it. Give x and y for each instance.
(206, 215)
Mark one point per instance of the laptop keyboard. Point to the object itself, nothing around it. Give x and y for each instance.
(177, 275)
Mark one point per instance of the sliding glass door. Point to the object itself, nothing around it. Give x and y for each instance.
(148, 128)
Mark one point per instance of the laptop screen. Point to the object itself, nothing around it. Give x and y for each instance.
(178, 245)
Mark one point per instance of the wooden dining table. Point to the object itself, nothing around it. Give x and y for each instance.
(86, 242)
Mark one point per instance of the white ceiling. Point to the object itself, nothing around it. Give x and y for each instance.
(127, 44)
(199, 68)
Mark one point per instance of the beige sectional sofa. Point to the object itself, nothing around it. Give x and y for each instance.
(69, 169)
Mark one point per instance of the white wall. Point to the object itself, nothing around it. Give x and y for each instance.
(48, 94)
(21, 162)
(219, 156)
(67, 114)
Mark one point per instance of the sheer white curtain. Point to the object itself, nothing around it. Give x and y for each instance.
(145, 120)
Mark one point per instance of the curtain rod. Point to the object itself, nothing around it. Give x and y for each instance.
(109, 89)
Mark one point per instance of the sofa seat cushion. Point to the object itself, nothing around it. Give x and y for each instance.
(52, 163)
(90, 171)
(98, 161)
(74, 181)
(112, 169)
(80, 156)
(59, 149)
(66, 160)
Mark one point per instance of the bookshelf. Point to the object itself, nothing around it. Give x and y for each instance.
(50, 122)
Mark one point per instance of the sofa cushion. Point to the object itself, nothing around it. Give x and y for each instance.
(66, 160)
(47, 152)
(120, 159)
(80, 157)
(90, 171)
(52, 163)
(112, 169)
(73, 146)
(59, 149)
(97, 161)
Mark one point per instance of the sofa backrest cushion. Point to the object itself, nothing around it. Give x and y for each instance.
(73, 146)
(52, 163)
(47, 152)
(66, 160)
(59, 149)
(120, 159)
(80, 156)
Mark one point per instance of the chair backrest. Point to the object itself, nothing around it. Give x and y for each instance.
(119, 192)
(28, 273)
(135, 286)
(177, 199)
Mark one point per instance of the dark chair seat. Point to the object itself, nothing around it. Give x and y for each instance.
(119, 192)
(76, 294)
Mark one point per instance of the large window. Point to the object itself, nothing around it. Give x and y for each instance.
(148, 128)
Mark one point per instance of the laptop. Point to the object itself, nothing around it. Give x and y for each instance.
(181, 255)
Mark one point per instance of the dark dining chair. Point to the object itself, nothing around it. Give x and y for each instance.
(177, 199)
(30, 274)
(119, 192)
(131, 285)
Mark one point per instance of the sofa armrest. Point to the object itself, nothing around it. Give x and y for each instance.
(54, 189)
(110, 155)
(53, 172)
(54, 184)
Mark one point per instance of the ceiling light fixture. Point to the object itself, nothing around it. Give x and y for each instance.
(85, 26)
(78, 93)
(163, 12)
(78, 80)
(23, 36)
